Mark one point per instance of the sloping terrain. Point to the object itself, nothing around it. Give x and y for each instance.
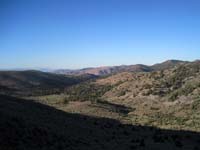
(36, 82)
(167, 64)
(127, 110)
(167, 98)
(27, 125)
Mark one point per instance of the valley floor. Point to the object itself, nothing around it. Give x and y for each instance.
(177, 115)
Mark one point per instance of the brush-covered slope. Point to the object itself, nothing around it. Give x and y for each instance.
(26, 125)
(181, 80)
(169, 98)
(167, 64)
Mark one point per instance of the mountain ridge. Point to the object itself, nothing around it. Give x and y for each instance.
(106, 70)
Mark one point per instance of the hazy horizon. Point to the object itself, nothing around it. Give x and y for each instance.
(76, 34)
(53, 69)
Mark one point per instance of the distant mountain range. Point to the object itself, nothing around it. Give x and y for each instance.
(107, 70)
(101, 71)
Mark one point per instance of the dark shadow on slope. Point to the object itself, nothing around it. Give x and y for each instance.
(26, 125)
(112, 107)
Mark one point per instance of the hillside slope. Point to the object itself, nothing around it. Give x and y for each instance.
(33, 126)
(179, 80)
(167, 98)
(167, 64)
(30, 82)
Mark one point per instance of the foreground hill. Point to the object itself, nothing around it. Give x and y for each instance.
(102, 71)
(36, 82)
(32, 126)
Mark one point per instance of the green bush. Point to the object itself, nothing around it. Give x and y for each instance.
(173, 96)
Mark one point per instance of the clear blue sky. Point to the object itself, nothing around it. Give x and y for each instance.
(84, 33)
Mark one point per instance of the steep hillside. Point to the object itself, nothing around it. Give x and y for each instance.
(182, 80)
(167, 98)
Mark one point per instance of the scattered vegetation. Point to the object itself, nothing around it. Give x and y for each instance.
(167, 98)
(29, 125)
(87, 91)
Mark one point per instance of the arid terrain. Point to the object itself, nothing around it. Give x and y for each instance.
(122, 107)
